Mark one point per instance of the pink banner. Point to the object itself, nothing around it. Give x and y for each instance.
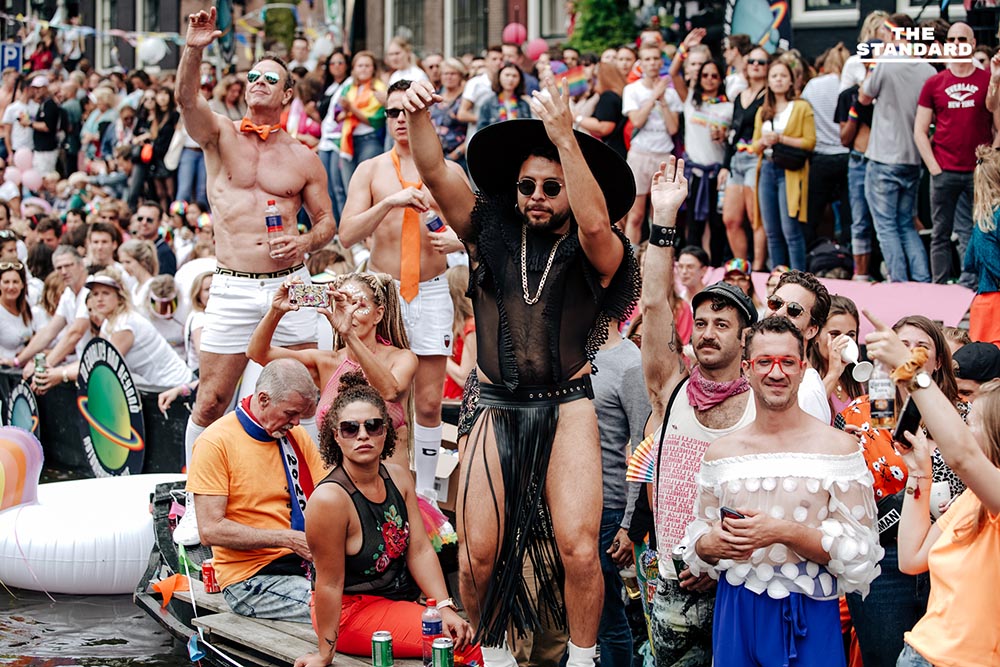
(888, 301)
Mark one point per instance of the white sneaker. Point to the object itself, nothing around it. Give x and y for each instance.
(498, 657)
(186, 532)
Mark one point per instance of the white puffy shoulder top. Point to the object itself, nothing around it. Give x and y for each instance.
(829, 492)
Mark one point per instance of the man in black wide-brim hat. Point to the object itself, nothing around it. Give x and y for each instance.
(548, 271)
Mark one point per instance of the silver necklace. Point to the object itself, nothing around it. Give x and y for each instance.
(528, 299)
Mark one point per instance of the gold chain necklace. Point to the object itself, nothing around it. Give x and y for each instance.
(528, 299)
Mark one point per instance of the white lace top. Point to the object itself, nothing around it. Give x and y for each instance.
(832, 493)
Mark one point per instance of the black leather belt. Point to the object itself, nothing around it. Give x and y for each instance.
(572, 390)
(258, 276)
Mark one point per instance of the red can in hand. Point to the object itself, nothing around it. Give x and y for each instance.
(208, 576)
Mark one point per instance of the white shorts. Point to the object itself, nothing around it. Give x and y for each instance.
(429, 317)
(237, 305)
(643, 166)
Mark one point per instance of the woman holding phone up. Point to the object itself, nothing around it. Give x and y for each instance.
(368, 336)
(960, 550)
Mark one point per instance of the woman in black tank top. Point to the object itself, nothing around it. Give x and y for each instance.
(370, 564)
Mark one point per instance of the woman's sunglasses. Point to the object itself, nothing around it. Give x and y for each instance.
(550, 187)
(271, 77)
(756, 61)
(11, 266)
(351, 428)
(793, 309)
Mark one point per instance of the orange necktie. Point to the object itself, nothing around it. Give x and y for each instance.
(263, 130)
(409, 252)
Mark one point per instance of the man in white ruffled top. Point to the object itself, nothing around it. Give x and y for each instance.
(807, 533)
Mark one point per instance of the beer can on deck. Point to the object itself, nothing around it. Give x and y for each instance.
(443, 651)
(208, 576)
(382, 649)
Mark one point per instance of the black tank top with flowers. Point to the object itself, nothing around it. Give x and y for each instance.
(379, 567)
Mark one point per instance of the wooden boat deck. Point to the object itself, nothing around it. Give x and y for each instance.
(279, 642)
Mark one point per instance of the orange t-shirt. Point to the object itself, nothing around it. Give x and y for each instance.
(960, 627)
(228, 462)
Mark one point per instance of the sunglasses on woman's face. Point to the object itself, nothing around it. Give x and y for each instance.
(550, 187)
(756, 61)
(271, 77)
(792, 308)
(373, 427)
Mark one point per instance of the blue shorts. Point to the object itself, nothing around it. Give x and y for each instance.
(751, 630)
(743, 169)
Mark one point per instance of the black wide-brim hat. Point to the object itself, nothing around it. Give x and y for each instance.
(497, 152)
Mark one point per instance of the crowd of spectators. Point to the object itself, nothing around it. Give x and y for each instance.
(106, 230)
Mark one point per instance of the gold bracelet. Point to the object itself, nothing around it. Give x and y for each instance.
(906, 372)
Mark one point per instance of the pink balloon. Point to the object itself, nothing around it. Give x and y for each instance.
(514, 33)
(23, 158)
(13, 175)
(31, 180)
(536, 47)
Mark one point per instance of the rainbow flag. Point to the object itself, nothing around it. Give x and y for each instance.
(576, 80)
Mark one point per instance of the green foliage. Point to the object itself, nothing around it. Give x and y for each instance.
(279, 26)
(601, 24)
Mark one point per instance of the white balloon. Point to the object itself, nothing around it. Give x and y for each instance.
(152, 50)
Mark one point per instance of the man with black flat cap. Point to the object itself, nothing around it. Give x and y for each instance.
(975, 363)
(689, 412)
(548, 270)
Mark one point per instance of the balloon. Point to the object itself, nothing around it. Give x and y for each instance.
(23, 158)
(536, 47)
(152, 50)
(31, 180)
(13, 175)
(515, 33)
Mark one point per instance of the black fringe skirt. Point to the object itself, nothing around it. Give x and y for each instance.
(524, 426)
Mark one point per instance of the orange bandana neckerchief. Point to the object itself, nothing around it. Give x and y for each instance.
(409, 253)
(263, 130)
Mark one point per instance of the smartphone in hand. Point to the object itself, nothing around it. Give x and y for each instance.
(310, 296)
(909, 420)
(728, 513)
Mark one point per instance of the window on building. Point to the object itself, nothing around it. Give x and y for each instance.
(469, 37)
(107, 12)
(151, 15)
(812, 5)
(553, 18)
(408, 20)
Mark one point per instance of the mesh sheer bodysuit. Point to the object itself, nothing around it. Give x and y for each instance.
(549, 342)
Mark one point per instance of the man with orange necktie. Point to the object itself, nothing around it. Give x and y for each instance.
(248, 164)
(385, 200)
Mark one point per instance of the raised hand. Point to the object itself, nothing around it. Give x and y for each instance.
(995, 65)
(341, 315)
(668, 192)
(694, 37)
(884, 344)
(201, 29)
(551, 106)
(282, 300)
(420, 96)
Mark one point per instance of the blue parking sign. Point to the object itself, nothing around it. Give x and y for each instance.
(10, 55)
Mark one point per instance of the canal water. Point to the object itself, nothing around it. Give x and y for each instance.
(85, 630)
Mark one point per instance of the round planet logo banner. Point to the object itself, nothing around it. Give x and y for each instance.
(110, 412)
(22, 409)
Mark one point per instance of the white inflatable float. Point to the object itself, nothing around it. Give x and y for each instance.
(89, 536)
